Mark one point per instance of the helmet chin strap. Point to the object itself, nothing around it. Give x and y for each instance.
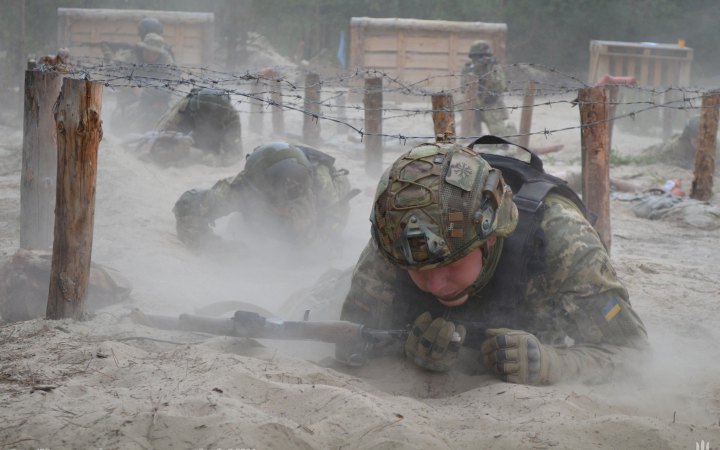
(491, 256)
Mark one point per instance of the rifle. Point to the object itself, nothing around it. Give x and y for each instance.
(248, 324)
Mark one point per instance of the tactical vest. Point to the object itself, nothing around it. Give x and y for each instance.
(523, 256)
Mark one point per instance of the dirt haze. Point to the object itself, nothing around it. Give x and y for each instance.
(108, 383)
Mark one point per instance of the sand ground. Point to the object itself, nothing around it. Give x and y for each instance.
(108, 383)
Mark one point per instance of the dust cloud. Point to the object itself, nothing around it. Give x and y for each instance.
(228, 392)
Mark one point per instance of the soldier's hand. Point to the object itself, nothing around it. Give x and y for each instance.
(434, 344)
(516, 356)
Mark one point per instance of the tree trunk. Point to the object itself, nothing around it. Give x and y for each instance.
(79, 131)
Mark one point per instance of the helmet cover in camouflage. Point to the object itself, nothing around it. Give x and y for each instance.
(208, 101)
(437, 203)
(479, 49)
(153, 42)
(149, 25)
(280, 171)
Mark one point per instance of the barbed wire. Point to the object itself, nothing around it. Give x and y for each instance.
(341, 92)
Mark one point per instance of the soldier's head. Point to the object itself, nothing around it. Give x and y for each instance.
(149, 25)
(279, 173)
(152, 47)
(441, 212)
(480, 50)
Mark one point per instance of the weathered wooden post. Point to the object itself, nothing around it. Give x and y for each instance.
(702, 185)
(39, 159)
(311, 122)
(256, 108)
(79, 130)
(470, 107)
(340, 102)
(373, 102)
(596, 158)
(278, 120)
(526, 115)
(612, 84)
(443, 116)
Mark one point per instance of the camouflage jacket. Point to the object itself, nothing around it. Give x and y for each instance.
(676, 151)
(218, 133)
(319, 215)
(577, 296)
(490, 78)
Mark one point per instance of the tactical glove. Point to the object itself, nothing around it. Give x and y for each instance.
(519, 357)
(434, 344)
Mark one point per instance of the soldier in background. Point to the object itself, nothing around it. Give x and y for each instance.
(679, 150)
(517, 271)
(204, 124)
(138, 108)
(491, 84)
(290, 192)
(152, 25)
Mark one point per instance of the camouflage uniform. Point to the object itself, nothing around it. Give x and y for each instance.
(209, 117)
(491, 84)
(680, 150)
(139, 113)
(571, 290)
(677, 151)
(320, 213)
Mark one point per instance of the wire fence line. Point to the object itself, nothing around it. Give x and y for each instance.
(342, 92)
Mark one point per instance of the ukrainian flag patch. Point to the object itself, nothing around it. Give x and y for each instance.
(611, 309)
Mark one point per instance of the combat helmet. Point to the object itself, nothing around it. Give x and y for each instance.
(210, 101)
(436, 204)
(149, 25)
(479, 49)
(279, 171)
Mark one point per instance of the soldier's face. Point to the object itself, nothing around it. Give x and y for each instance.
(446, 282)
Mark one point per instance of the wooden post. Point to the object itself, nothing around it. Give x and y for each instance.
(470, 107)
(373, 103)
(702, 185)
(277, 112)
(596, 158)
(612, 94)
(526, 115)
(79, 130)
(39, 160)
(443, 116)
(668, 113)
(256, 108)
(340, 102)
(311, 122)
